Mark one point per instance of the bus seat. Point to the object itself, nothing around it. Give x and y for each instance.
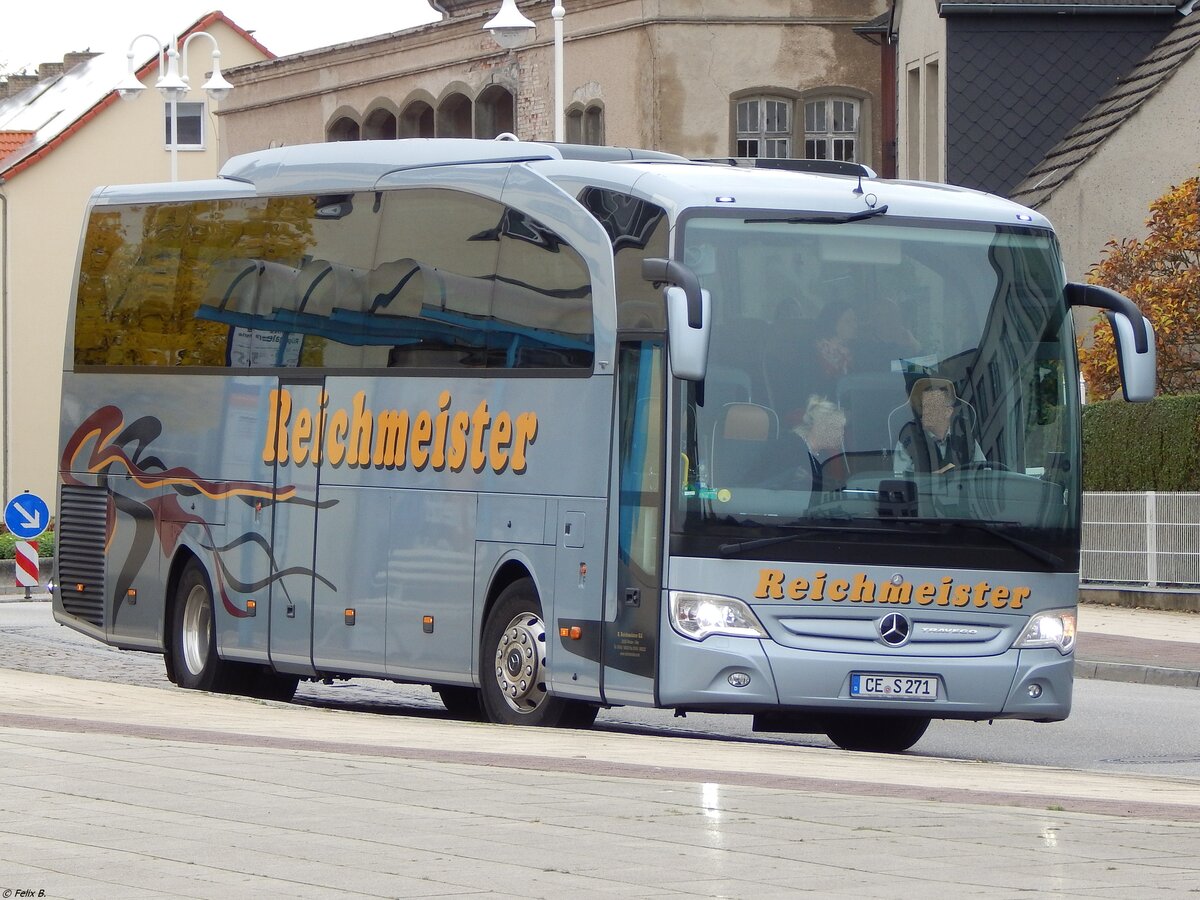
(738, 344)
(788, 355)
(725, 384)
(232, 285)
(276, 287)
(396, 288)
(740, 438)
(869, 399)
(909, 410)
(314, 287)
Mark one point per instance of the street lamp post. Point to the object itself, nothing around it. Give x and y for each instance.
(171, 84)
(509, 27)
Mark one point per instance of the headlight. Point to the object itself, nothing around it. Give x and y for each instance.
(1052, 628)
(698, 616)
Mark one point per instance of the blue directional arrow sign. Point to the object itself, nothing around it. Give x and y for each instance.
(27, 516)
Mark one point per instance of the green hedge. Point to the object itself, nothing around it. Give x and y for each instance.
(1151, 446)
(7, 539)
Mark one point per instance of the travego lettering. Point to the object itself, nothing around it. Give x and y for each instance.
(360, 437)
(773, 584)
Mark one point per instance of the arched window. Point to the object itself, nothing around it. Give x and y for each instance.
(454, 117)
(343, 129)
(585, 125)
(593, 125)
(831, 128)
(574, 125)
(495, 112)
(416, 121)
(380, 124)
(763, 127)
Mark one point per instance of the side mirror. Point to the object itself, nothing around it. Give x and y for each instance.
(688, 316)
(688, 346)
(1132, 333)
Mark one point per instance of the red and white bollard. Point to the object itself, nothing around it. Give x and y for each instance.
(26, 553)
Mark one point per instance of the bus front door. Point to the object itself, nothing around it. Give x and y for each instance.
(297, 405)
(631, 623)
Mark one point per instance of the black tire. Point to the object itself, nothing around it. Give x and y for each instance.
(877, 734)
(512, 666)
(461, 702)
(267, 684)
(193, 662)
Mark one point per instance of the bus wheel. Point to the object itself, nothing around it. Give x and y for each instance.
(877, 734)
(461, 702)
(194, 659)
(514, 666)
(266, 684)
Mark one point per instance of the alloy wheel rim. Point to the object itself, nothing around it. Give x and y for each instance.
(520, 663)
(197, 617)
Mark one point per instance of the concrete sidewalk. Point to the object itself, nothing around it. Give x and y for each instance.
(111, 790)
(1144, 646)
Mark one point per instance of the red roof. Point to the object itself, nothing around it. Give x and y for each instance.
(201, 24)
(11, 141)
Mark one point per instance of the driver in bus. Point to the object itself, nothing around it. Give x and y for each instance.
(939, 437)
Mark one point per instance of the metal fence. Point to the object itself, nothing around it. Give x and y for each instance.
(1142, 538)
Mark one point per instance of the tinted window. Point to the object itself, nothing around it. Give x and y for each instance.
(405, 278)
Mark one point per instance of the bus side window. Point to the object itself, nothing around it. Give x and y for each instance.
(542, 304)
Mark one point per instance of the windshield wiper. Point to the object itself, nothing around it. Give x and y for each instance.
(821, 218)
(798, 531)
(991, 528)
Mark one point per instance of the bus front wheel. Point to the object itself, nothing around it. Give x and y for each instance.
(513, 661)
(877, 734)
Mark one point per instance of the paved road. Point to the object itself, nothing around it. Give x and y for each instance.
(1114, 727)
(111, 790)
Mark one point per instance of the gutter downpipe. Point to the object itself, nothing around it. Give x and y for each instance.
(4, 346)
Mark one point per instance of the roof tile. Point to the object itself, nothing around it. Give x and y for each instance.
(1110, 113)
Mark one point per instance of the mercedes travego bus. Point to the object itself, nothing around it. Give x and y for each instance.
(553, 428)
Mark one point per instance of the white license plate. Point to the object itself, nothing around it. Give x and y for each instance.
(894, 687)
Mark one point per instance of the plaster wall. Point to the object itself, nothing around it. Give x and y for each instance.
(920, 53)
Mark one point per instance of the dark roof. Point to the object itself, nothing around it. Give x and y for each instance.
(1110, 113)
(1017, 85)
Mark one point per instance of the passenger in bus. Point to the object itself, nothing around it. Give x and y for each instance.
(837, 332)
(940, 436)
(799, 459)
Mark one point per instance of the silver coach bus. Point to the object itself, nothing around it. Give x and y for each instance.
(552, 428)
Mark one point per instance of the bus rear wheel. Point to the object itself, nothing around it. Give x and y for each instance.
(877, 734)
(193, 662)
(513, 663)
(461, 702)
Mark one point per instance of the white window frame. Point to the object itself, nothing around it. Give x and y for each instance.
(763, 126)
(832, 128)
(186, 109)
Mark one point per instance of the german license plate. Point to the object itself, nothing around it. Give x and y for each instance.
(893, 687)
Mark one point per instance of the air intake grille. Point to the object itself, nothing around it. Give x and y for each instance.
(82, 521)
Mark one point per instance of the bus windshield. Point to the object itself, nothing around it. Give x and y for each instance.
(879, 391)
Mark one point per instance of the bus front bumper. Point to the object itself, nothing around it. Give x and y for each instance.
(741, 675)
